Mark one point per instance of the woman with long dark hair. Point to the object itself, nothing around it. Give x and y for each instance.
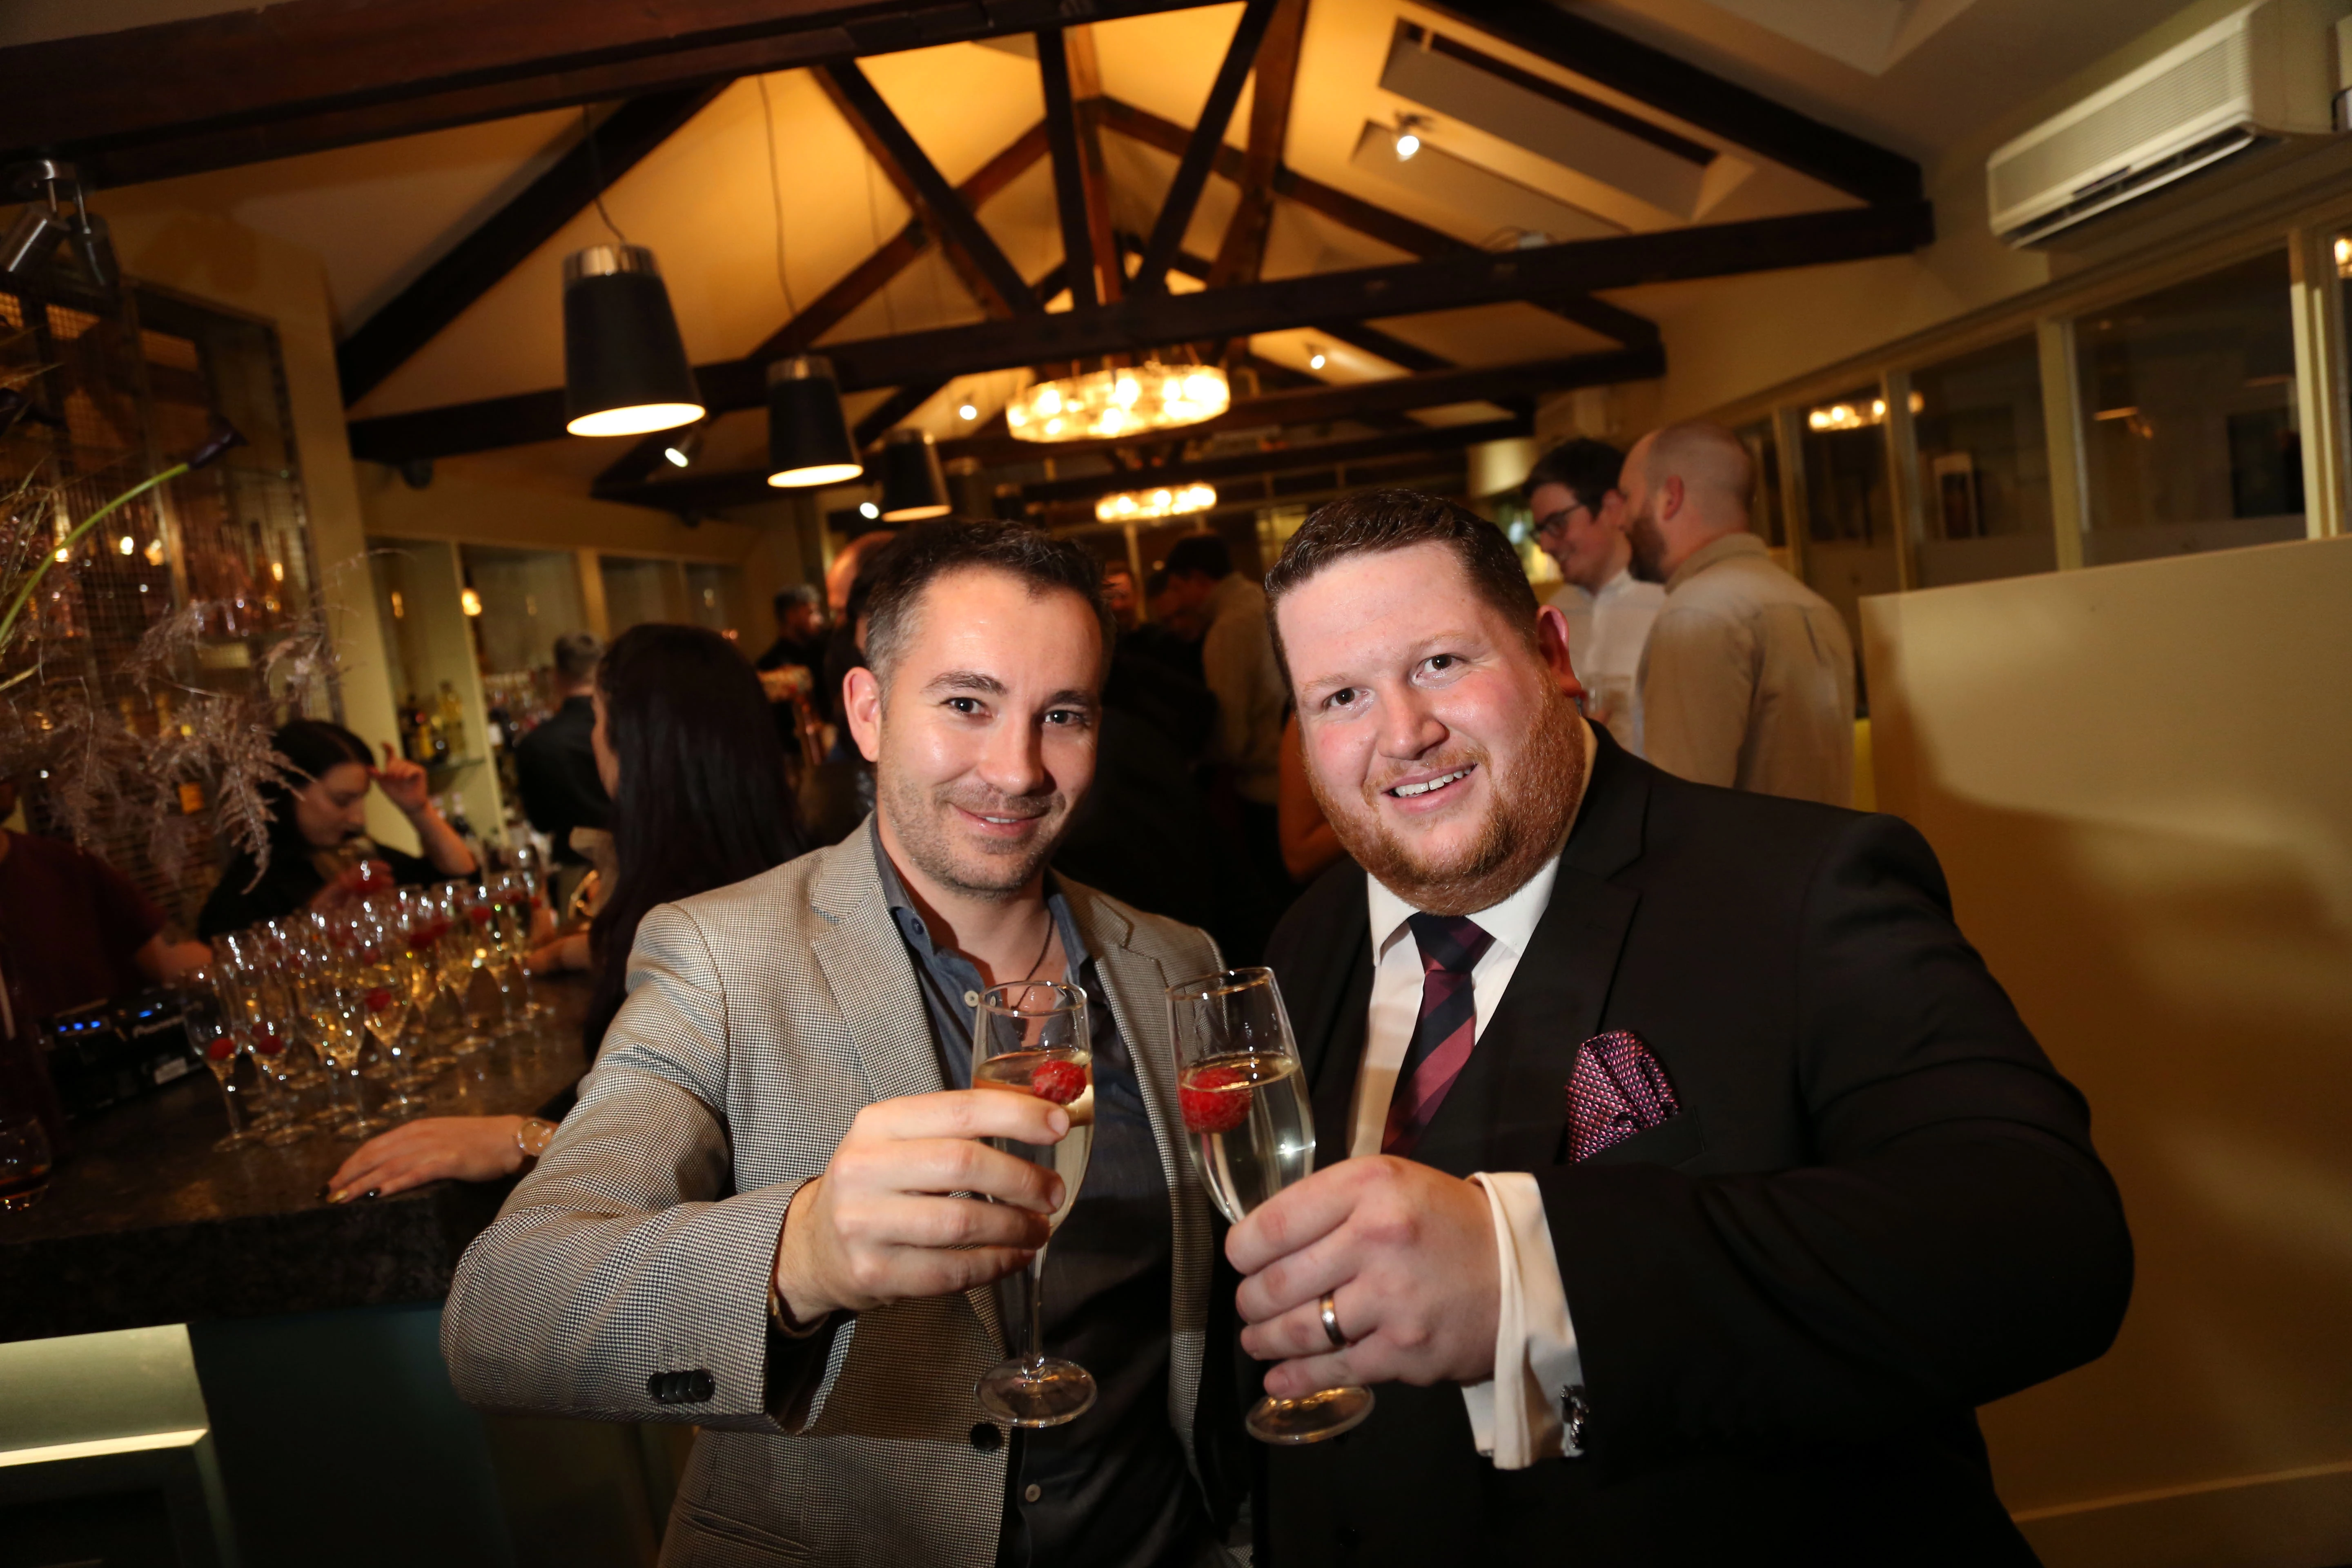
(700, 799)
(313, 815)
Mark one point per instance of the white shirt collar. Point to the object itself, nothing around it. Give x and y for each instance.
(1511, 922)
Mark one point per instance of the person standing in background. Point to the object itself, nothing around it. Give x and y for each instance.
(1237, 658)
(1749, 678)
(800, 632)
(555, 764)
(1579, 523)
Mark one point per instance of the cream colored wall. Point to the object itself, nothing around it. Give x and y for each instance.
(1729, 339)
(2139, 779)
(212, 258)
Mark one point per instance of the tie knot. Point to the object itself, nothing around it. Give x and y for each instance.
(1451, 942)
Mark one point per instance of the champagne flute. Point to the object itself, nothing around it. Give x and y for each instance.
(1243, 1099)
(1030, 1038)
(384, 1001)
(212, 1029)
(332, 1008)
(459, 955)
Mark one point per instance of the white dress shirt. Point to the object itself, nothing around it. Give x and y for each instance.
(1607, 633)
(1516, 1417)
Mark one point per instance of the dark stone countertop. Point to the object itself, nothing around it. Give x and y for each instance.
(145, 1224)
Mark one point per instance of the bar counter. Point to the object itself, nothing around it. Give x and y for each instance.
(144, 1224)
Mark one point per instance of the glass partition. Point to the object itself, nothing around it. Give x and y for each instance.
(1850, 504)
(2189, 430)
(1984, 466)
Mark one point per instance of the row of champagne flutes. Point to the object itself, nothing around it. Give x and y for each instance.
(386, 995)
(1246, 1117)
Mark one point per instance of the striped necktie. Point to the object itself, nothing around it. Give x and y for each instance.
(1451, 946)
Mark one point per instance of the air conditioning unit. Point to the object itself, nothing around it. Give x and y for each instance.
(2264, 73)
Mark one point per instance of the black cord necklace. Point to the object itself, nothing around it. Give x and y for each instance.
(1041, 952)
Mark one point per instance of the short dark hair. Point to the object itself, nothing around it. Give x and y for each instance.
(1374, 521)
(929, 551)
(787, 600)
(577, 653)
(1589, 469)
(1202, 552)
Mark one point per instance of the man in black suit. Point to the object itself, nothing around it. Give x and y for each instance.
(1705, 1180)
(556, 763)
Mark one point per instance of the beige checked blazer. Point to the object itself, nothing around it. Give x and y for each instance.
(760, 1018)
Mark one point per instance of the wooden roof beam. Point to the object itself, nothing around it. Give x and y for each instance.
(271, 81)
(1199, 154)
(973, 252)
(1139, 322)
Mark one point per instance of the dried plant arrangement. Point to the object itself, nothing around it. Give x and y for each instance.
(103, 774)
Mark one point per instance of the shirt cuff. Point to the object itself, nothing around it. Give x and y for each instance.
(1515, 1418)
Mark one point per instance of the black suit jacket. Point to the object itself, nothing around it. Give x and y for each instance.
(1878, 1209)
(556, 766)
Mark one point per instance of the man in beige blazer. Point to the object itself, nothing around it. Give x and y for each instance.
(761, 1218)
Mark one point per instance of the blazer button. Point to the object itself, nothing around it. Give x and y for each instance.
(985, 1437)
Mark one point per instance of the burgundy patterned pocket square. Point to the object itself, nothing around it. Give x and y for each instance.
(1616, 1090)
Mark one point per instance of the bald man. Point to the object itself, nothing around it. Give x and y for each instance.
(1748, 681)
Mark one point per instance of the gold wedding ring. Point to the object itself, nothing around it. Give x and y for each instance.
(1331, 1324)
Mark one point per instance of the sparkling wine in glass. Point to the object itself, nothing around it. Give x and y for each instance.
(459, 955)
(212, 1031)
(1030, 1038)
(1245, 1103)
(384, 1008)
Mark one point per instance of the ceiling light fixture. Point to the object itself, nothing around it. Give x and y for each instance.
(1134, 506)
(1111, 403)
(1409, 127)
(1315, 360)
(808, 434)
(867, 510)
(625, 368)
(914, 486)
(968, 412)
(681, 453)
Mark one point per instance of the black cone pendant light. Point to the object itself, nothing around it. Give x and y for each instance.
(625, 368)
(808, 434)
(913, 486)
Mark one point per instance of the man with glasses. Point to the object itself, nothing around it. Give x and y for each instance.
(1581, 523)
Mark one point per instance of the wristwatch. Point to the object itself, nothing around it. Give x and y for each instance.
(533, 1137)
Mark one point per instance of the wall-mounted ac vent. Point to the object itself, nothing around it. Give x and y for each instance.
(2262, 74)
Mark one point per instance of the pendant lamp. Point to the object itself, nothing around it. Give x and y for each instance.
(913, 485)
(625, 368)
(808, 435)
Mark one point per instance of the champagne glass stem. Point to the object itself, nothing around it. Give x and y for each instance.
(235, 1119)
(1032, 1350)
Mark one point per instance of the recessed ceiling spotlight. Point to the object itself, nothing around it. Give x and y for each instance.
(968, 412)
(1315, 359)
(867, 510)
(1409, 127)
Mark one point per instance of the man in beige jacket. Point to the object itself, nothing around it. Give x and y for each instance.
(764, 1216)
(1749, 678)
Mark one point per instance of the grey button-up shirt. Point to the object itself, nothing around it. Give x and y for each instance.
(1112, 1487)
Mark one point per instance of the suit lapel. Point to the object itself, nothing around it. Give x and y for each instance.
(1328, 993)
(1507, 1110)
(866, 965)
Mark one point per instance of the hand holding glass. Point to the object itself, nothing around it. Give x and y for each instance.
(1244, 1099)
(1030, 1038)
